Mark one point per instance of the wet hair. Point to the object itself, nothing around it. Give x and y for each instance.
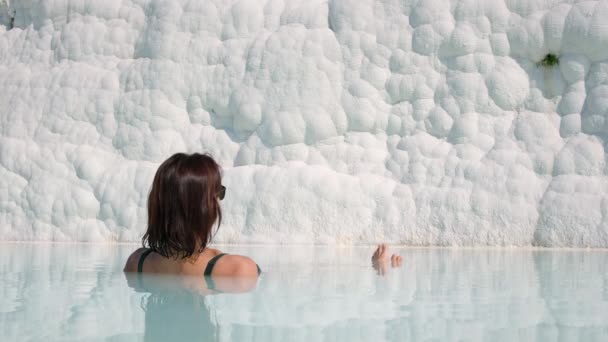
(183, 205)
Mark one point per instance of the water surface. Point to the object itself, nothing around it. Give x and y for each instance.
(78, 292)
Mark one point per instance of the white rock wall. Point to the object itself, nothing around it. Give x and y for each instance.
(418, 122)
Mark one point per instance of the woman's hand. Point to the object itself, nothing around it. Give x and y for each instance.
(380, 259)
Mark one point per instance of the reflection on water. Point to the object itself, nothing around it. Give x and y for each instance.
(177, 314)
(78, 292)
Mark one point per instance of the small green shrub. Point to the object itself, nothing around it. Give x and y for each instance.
(549, 60)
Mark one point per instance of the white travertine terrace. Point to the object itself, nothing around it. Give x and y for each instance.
(429, 122)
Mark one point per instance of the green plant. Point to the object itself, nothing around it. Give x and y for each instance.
(549, 60)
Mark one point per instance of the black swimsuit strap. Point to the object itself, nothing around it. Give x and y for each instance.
(211, 264)
(142, 257)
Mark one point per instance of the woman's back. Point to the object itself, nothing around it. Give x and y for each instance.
(210, 262)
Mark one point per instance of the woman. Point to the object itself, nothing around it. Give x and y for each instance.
(183, 207)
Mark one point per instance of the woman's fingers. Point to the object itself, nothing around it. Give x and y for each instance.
(381, 257)
(380, 253)
(396, 260)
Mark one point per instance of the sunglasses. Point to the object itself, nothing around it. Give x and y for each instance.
(222, 192)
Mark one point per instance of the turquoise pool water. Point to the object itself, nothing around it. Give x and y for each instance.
(79, 293)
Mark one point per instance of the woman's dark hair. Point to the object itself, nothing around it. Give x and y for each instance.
(183, 205)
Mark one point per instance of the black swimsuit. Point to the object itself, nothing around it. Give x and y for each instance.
(208, 269)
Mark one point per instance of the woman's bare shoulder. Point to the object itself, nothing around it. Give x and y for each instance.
(233, 265)
(133, 259)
